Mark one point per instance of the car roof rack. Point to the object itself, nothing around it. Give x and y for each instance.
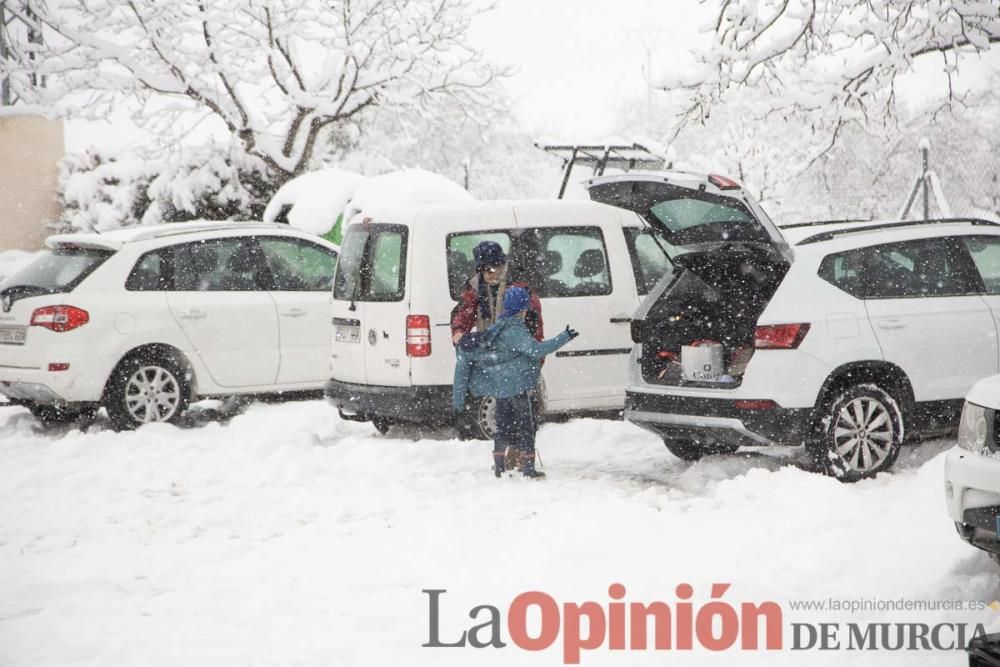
(826, 236)
(820, 223)
(617, 156)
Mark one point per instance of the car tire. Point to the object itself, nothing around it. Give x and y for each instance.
(693, 450)
(145, 390)
(51, 415)
(478, 421)
(857, 433)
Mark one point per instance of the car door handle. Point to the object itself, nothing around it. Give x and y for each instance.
(620, 320)
(293, 312)
(891, 324)
(193, 314)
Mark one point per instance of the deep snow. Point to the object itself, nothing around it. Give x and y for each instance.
(289, 537)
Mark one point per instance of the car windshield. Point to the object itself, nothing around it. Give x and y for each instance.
(58, 270)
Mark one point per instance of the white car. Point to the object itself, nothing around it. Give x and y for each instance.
(143, 320)
(972, 470)
(843, 336)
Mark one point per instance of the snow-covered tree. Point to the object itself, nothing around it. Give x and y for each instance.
(281, 75)
(832, 61)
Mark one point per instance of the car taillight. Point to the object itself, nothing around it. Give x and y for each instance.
(418, 336)
(59, 318)
(779, 336)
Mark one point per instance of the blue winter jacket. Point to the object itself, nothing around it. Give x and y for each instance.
(503, 361)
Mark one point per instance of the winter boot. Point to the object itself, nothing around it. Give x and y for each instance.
(499, 466)
(528, 466)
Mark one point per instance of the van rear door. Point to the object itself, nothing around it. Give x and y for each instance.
(369, 307)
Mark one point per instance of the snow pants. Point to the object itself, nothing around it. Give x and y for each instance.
(516, 429)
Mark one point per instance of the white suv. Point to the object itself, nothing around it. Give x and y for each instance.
(145, 319)
(840, 336)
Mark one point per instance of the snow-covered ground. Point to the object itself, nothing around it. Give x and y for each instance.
(289, 537)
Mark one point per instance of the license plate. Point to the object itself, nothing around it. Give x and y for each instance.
(346, 334)
(13, 335)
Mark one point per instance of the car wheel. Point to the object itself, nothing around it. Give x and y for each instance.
(479, 421)
(144, 391)
(693, 450)
(858, 434)
(51, 415)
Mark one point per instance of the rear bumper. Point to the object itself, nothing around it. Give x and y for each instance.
(972, 493)
(429, 403)
(83, 382)
(716, 419)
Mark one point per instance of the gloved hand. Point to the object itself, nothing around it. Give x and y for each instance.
(573, 333)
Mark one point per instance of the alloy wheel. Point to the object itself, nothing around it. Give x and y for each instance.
(864, 433)
(152, 394)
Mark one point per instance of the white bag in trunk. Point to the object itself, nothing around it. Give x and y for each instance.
(702, 361)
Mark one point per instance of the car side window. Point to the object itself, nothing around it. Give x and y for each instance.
(297, 265)
(221, 265)
(153, 272)
(845, 270)
(985, 252)
(570, 262)
(461, 264)
(649, 261)
(922, 268)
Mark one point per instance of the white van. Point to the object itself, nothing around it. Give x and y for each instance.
(400, 274)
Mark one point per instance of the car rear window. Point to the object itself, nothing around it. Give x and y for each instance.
(372, 263)
(58, 270)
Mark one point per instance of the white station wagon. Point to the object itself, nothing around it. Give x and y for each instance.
(143, 320)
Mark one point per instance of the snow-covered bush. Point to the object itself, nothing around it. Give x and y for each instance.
(209, 184)
(101, 192)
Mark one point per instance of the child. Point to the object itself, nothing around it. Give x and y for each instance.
(504, 361)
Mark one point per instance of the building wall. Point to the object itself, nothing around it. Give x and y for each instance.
(30, 150)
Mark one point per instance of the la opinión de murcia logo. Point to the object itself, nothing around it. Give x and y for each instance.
(683, 625)
(716, 625)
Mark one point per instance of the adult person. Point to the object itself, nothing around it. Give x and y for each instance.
(482, 298)
(504, 362)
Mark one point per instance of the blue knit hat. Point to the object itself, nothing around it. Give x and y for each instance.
(488, 253)
(515, 300)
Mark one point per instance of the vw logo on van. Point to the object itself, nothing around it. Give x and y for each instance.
(372, 336)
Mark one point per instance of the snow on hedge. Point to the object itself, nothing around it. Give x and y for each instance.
(316, 199)
(401, 188)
